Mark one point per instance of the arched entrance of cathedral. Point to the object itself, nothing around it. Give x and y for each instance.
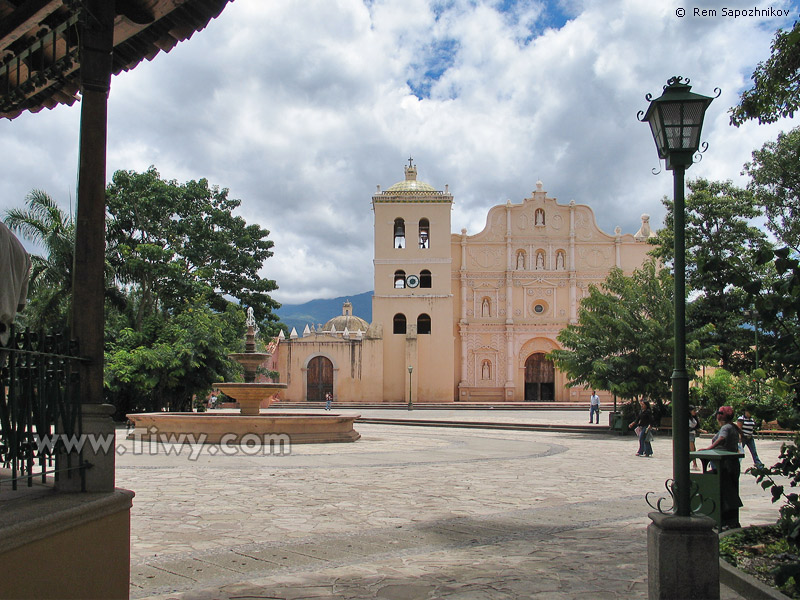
(539, 379)
(319, 378)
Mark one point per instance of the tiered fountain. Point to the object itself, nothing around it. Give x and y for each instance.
(233, 429)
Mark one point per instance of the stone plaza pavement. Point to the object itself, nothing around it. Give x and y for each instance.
(406, 513)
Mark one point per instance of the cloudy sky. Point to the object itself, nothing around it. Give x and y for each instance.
(302, 107)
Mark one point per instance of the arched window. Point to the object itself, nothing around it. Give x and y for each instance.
(424, 233)
(486, 307)
(399, 323)
(424, 324)
(399, 233)
(399, 279)
(425, 279)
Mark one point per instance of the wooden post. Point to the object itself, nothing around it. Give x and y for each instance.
(88, 286)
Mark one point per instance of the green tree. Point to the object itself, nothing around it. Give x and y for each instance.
(778, 303)
(172, 357)
(775, 183)
(50, 286)
(776, 83)
(176, 241)
(181, 255)
(623, 340)
(720, 245)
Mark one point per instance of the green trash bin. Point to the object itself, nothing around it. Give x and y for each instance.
(707, 496)
(616, 423)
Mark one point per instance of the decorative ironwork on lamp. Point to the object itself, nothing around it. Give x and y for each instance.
(676, 121)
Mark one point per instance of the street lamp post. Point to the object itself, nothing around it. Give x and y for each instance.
(410, 369)
(680, 538)
(676, 120)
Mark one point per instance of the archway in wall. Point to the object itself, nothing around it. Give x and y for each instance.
(319, 378)
(540, 376)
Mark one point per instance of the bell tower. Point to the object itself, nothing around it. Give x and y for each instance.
(413, 298)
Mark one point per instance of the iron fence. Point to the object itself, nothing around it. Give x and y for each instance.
(39, 398)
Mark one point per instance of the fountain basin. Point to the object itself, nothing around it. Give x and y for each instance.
(229, 429)
(250, 395)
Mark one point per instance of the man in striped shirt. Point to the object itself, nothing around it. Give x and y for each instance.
(747, 426)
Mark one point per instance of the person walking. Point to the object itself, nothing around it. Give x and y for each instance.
(727, 438)
(594, 406)
(694, 430)
(747, 427)
(644, 427)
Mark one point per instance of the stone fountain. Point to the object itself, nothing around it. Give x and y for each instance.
(250, 394)
(234, 429)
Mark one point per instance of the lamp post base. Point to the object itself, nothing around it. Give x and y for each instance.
(682, 557)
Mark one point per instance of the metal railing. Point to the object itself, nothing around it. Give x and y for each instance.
(39, 398)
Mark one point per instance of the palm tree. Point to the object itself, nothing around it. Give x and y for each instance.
(44, 223)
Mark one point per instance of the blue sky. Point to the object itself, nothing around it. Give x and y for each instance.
(302, 107)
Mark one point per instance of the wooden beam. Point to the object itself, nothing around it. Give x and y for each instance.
(25, 18)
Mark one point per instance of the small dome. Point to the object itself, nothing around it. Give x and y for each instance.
(346, 320)
(411, 184)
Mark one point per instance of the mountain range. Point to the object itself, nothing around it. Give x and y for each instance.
(316, 312)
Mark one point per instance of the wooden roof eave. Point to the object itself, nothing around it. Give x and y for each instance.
(142, 29)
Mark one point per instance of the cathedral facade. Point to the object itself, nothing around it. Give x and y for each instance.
(458, 317)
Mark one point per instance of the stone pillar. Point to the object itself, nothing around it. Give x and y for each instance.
(682, 557)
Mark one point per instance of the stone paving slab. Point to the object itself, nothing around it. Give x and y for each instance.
(278, 558)
(146, 577)
(405, 513)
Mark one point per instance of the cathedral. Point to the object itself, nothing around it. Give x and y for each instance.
(459, 317)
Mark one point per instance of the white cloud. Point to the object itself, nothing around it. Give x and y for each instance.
(301, 108)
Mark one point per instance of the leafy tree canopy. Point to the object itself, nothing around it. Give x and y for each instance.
(720, 245)
(776, 83)
(778, 303)
(176, 241)
(775, 183)
(172, 357)
(623, 340)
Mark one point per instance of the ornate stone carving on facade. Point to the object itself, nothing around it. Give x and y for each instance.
(644, 231)
(594, 258)
(498, 227)
(583, 223)
(521, 260)
(485, 257)
(561, 260)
